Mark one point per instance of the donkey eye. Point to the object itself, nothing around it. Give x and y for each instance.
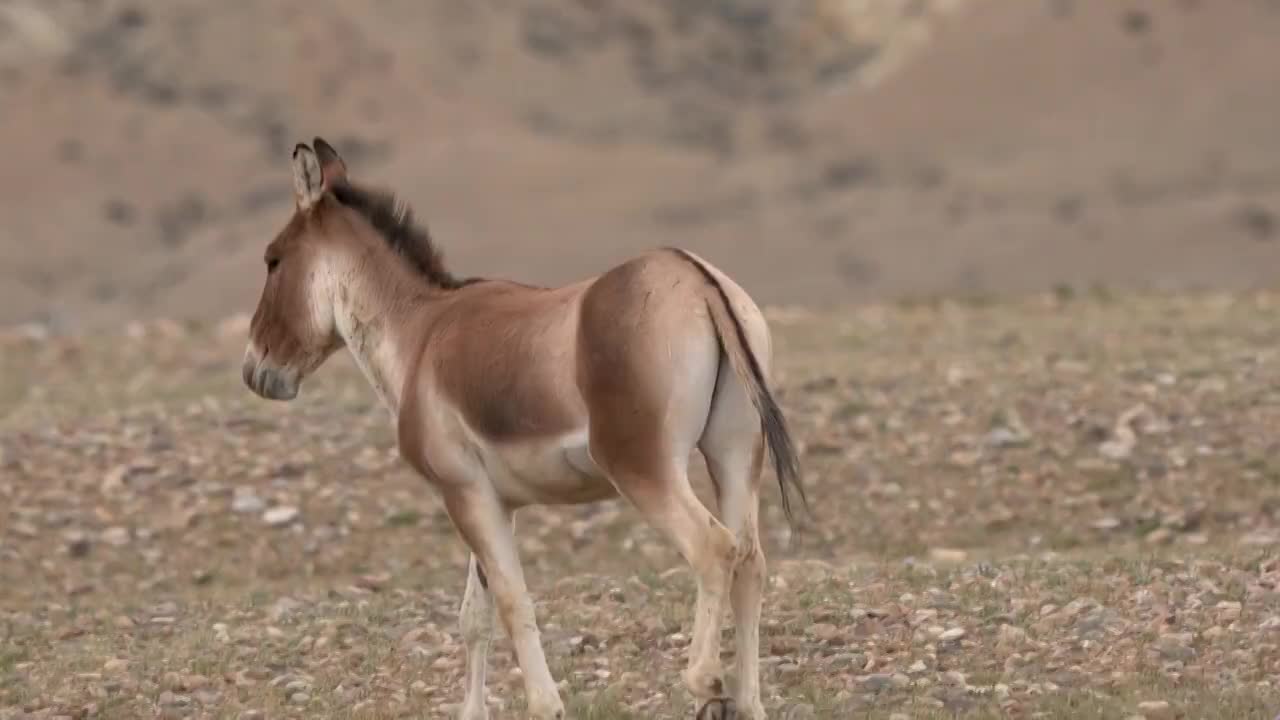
(272, 264)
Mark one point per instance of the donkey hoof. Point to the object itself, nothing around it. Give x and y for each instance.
(721, 708)
(547, 709)
(707, 684)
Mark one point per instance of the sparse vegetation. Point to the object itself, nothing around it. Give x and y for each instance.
(1063, 507)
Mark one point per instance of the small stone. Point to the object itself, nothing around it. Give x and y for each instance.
(115, 665)
(116, 536)
(1156, 709)
(78, 545)
(824, 631)
(801, 711)
(1116, 449)
(113, 481)
(951, 634)
(247, 502)
(169, 698)
(1228, 610)
(950, 556)
(34, 332)
(1175, 646)
(853, 661)
(280, 516)
(1002, 437)
(207, 696)
(300, 698)
(877, 682)
(1106, 523)
(1009, 636)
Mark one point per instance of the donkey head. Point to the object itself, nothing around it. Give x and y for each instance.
(293, 329)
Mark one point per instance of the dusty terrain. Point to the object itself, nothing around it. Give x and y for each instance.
(822, 151)
(1058, 508)
(1045, 462)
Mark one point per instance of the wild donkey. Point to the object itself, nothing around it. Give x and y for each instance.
(507, 395)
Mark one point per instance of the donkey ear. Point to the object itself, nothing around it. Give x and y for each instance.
(308, 179)
(333, 169)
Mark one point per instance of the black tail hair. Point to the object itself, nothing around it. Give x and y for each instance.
(773, 423)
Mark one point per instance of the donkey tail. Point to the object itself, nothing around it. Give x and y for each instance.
(733, 343)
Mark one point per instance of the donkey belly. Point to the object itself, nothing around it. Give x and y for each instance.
(551, 471)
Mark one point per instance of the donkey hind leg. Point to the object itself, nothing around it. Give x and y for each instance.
(486, 526)
(476, 621)
(667, 501)
(734, 450)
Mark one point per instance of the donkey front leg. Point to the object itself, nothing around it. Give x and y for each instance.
(486, 526)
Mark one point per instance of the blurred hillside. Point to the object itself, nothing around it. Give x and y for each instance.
(820, 151)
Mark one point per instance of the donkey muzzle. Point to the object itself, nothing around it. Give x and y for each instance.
(266, 380)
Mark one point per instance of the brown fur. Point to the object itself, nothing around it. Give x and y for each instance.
(473, 363)
(506, 395)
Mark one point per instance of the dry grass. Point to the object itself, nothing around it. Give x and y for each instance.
(1059, 508)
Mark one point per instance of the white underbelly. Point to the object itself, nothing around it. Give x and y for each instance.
(550, 471)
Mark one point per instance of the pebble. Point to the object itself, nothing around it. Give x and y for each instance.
(1010, 636)
(116, 536)
(247, 502)
(1106, 523)
(172, 699)
(280, 516)
(1155, 709)
(1229, 610)
(854, 661)
(877, 682)
(78, 545)
(948, 555)
(954, 633)
(824, 631)
(801, 711)
(300, 698)
(1001, 437)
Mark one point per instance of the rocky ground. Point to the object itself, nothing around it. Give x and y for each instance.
(1061, 507)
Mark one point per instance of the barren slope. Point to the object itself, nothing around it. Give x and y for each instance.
(1014, 145)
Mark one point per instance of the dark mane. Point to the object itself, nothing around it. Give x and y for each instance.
(394, 221)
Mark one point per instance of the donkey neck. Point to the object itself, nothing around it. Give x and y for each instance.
(378, 312)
